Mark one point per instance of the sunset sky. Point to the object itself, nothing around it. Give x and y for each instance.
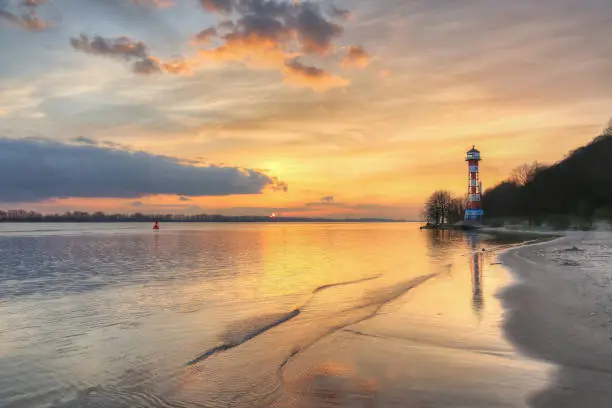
(348, 108)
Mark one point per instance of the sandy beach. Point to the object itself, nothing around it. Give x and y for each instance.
(561, 312)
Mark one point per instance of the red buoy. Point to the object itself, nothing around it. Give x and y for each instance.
(156, 226)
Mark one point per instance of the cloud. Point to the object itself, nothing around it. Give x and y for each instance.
(41, 169)
(206, 36)
(356, 57)
(340, 13)
(27, 18)
(327, 200)
(136, 204)
(184, 199)
(270, 34)
(129, 50)
(314, 31)
(218, 6)
(315, 78)
(85, 140)
(154, 3)
(120, 47)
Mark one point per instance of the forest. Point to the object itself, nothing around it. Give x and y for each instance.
(575, 190)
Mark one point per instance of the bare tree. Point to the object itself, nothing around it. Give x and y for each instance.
(525, 173)
(456, 209)
(437, 207)
(608, 130)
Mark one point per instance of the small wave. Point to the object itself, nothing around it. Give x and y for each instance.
(242, 332)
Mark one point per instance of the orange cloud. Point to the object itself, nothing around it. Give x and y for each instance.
(154, 65)
(356, 57)
(271, 35)
(254, 50)
(177, 67)
(319, 80)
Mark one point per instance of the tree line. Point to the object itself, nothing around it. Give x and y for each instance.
(81, 216)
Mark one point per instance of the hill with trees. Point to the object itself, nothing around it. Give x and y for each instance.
(575, 190)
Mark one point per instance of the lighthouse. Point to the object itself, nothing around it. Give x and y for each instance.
(473, 211)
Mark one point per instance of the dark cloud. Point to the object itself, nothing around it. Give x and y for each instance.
(269, 8)
(129, 50)
(315, 78)
(120, 47)
(147, 66)
(184, 199)
(27, 17)
(307, 71)
(85, 140)
(262, 27)
(42, 169)
(314, 31)
(205, 36)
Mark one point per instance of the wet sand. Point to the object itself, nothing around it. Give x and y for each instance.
(561, 312)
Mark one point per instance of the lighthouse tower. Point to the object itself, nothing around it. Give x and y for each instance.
(473, 210)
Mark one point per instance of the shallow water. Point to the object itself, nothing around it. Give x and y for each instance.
(250, 315)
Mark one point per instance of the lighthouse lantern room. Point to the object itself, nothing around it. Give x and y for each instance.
(473, 210)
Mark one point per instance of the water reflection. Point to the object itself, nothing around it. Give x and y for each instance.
(476, 265)
(380, 307)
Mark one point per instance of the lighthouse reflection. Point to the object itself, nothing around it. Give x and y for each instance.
(476, 264)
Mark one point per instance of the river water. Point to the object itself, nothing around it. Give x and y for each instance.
(255, 315)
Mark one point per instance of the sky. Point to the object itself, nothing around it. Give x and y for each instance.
(355, 108)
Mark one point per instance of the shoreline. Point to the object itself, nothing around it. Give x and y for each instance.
(560, 311)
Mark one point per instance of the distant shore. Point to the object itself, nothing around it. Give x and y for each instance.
(199, 219)
(561, 312)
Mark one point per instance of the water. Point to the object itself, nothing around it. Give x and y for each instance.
(250, 315)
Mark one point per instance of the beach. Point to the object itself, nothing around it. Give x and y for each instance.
(561, 312)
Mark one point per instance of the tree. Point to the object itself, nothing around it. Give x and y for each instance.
(456, 210)
(526, 173)
(437, 207)
(608, 130)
